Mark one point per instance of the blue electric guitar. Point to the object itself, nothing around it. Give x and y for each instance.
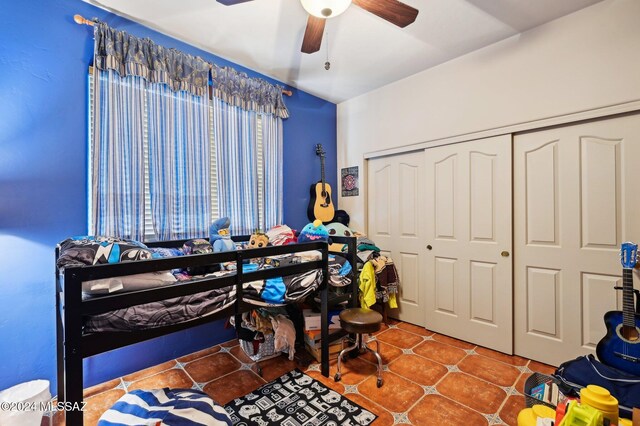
(620, 348)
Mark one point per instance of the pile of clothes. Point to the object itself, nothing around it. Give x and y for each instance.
(379, 282)
(265, 333)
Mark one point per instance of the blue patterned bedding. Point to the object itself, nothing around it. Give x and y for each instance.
(271, 292)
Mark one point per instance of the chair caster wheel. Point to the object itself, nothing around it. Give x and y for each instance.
(337, 377)
(379, 383)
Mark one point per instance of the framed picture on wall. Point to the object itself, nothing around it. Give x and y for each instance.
(349, 181)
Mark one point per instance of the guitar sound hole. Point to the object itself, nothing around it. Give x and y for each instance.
(630, 333)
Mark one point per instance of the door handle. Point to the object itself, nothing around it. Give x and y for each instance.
(429, 247)
(504, 253)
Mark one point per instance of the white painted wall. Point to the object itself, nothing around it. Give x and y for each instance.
(589, 59)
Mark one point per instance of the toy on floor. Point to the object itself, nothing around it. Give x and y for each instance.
(530, 416)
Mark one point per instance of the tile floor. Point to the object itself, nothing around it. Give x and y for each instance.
(429, 379)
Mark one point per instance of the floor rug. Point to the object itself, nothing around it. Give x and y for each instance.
(295, 399)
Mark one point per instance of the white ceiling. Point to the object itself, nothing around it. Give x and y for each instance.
(366, 52)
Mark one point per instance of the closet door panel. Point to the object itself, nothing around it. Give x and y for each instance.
(445, 286)
(380, 189)
(483, 292)
(597, 300)
(408, 192)
(444, 182)
(600, 192)
(542, 194)
(543, 302)
(395, 224)
(408, 266)
(591, 170)
(482, 197)
(468, 217)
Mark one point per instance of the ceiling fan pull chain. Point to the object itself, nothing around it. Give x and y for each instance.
(327, 64)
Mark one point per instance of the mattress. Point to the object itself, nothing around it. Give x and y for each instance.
(273, 292)
(162, 313)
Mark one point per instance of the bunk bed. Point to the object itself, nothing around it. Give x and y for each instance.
(73, 311)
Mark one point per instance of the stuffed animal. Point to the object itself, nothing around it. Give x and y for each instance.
(258, 240)
(313, 232)
(337, 229)
(219, 235)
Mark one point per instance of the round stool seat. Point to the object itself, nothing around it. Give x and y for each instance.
(360, 320)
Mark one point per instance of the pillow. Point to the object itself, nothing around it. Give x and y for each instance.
(90, 250)
(128, 282)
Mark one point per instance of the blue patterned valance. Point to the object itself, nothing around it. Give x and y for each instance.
(129, 55)
(253, 94)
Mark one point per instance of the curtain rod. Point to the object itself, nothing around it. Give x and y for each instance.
(81, 20)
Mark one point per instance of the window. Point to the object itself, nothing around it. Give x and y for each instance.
(168, 172)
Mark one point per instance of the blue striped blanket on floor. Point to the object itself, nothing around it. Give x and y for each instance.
(170, 407)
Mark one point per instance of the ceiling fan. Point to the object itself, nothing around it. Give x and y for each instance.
(394, 11)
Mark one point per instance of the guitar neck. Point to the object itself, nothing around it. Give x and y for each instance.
(628, 312)
(322, 172)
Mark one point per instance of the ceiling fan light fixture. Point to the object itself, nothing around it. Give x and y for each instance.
(325, 8)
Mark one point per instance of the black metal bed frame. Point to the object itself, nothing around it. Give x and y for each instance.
(73, 346)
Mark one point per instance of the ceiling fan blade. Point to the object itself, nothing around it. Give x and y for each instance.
(231, 2)
(313, 34)
(393, 11)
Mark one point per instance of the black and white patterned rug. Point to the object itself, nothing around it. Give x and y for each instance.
(296, 399)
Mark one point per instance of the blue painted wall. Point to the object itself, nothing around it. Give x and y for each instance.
(43, 172)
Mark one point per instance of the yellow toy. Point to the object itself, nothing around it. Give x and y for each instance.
(600, 399)
(581, 415)
(529, 416)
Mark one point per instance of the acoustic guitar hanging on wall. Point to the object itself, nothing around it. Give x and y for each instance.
(320, 204)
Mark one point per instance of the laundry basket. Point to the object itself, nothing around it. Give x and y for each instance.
(534, 380)
(260, 350)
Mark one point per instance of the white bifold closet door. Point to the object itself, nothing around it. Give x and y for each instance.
(468, 238)
(576, 199)
(395, 215)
